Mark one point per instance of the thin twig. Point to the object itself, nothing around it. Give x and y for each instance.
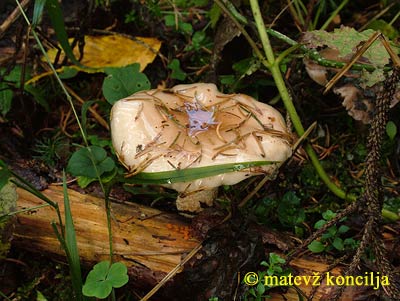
(12, 18)
(172, 273)
(377, 16)
(96, 115)
(347, 67)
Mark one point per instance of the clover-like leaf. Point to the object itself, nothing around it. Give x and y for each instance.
(85, 161)
(316, 246)
(103, 278)
(117, 275)
(122, 82)
(338, 243)
(343, 229)
(177, 72)
(319, 224)
(328, 215)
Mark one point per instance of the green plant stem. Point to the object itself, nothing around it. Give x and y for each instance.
(324, 176)
(24, 210)
(233, 11)
(106, 191)
(316, 17)
(269, 53)
(22, 183)
(333, 15)
(394, 18)
(287, 101)
(296, 13)
(300, 9)
(286, 52)
(377, 16)
(274, 68)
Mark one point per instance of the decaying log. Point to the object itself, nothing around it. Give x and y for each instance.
(151, 243)
(147, 240)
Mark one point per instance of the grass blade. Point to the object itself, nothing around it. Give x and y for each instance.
(190, 174)
(37, 12)
(57, 20)
(71, 246)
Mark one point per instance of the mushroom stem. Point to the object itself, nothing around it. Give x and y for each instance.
(192, 201)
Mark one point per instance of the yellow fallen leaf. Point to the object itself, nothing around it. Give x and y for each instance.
(109, 51)
(115, 51)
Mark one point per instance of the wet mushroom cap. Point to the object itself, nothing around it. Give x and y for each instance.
(195, 125)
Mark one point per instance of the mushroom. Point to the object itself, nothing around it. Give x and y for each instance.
(195, 126)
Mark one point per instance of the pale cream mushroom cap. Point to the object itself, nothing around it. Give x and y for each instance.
(195, 125)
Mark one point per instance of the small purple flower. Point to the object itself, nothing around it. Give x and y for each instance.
(199, 118)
